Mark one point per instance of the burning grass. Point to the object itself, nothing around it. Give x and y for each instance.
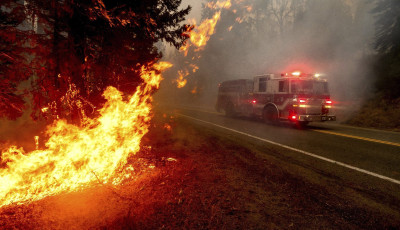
(192, 178)
(76, 157)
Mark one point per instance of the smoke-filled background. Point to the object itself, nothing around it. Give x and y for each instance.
(332, 37)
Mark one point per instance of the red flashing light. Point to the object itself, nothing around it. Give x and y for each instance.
(302, 100)
(328, 102)
(294, 117)
(254, 101)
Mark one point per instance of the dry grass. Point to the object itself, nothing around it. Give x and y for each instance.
(378, 113)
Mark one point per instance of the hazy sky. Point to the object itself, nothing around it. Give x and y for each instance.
(196, 8)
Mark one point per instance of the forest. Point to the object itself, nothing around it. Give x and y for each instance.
(59, 56)
(65, 53)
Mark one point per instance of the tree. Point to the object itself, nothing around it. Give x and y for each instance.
(387, 25)
(387, 43)
(13, 67)
(84, 46)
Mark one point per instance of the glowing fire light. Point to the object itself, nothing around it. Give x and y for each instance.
(78, 157)
(185, 48)
(218, 4)
(45, 109)
(239, 20)
(201, 34)
(37, 142)
(181, 81)
(249, 8)
(194, 67)
(194, 90)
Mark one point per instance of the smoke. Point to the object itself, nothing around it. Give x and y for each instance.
(21, 132)
(332, 37)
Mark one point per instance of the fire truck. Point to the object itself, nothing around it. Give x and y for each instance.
(296, 97)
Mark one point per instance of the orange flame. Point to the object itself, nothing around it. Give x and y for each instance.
(181, 81)
(249, 8)
(77, 157)
(219, 5)
(194, 67)
(185, 48)
(201, 34)
(239, 20)
(194, 90)
(199, 37)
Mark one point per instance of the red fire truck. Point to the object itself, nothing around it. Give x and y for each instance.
(296, 97)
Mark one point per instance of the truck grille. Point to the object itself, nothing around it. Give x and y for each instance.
(314, 106)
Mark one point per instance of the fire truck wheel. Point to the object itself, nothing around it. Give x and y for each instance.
(270, 115)
(301, 124)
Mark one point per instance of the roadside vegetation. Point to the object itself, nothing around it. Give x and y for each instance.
(383, 109)
(380, 113)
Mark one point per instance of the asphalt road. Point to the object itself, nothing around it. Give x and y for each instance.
(360, 152)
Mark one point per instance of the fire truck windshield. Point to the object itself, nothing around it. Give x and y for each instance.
(309, 87)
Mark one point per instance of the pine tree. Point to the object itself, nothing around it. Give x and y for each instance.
(387, 43)
(13, 68)
(81, 47)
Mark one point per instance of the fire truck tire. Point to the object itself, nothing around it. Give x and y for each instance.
(301, 124)
(270, 114)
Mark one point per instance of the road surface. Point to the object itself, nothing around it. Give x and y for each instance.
(367, 156)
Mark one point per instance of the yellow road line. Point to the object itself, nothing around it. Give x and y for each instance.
(359, 138)
(328, 132)
(298, 150)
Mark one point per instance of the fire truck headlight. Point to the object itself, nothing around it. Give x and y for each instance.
(297, 73)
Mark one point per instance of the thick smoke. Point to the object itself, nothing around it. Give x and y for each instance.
(332, 37)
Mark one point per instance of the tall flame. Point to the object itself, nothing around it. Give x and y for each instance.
(200, 36)
(202, 33)
(77, 157)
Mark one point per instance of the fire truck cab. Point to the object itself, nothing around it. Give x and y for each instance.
(295, 97)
